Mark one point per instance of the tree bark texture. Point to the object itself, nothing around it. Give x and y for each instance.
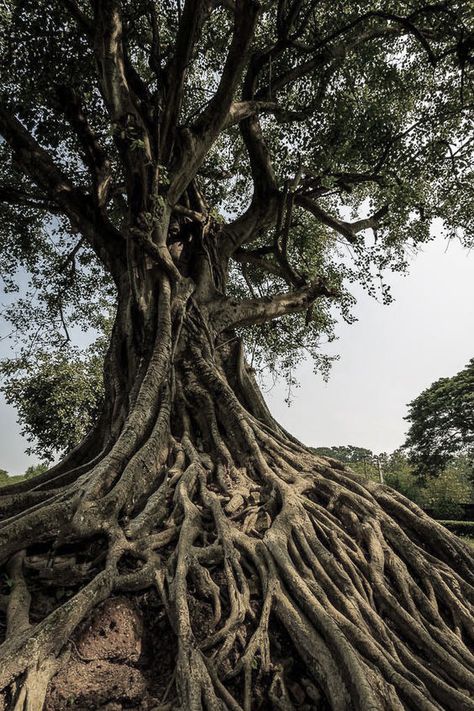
(190, 489)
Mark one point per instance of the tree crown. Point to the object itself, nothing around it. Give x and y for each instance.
(309, 144)
(442, 423)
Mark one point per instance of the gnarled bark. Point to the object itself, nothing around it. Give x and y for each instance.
(192, 490)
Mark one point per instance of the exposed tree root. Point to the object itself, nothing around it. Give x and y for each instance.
(219, 511)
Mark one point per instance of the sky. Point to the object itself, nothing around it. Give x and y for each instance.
(387, 358)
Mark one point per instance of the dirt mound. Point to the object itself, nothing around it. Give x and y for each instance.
(116, 661)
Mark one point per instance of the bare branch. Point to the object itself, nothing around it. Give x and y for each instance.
(349, 230)
(233, 313)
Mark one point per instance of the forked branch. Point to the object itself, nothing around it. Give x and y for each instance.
(349, 230)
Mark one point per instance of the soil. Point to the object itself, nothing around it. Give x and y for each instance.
(117, 661)
(124, 658)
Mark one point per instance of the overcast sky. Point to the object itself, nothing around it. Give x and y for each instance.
(388, 356)
(386, 359)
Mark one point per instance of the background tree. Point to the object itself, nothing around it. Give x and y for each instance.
(58, 395)
(223, 171)
(445, 494)
(400, 473)
(350, 454)
(34, 470)
(442, 423)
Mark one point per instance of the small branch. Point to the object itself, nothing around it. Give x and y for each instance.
(282, 232)
(67, 337)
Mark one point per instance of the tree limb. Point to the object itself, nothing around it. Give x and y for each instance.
(36, 162)
(233, 313)
(349, 230)
(240, 110)
(211, 120)
(15, 196)
(130, 131)
(82, 20)
(94, 155)
(191, 22)
(254, 257)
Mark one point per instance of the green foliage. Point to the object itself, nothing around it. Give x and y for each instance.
(6, 479)
(444, 494)
(350, 454)
(35, 470)
(400, 474)
(57, 395)
(442, 423)
(382, 120)
(378, 122)
(462, 528)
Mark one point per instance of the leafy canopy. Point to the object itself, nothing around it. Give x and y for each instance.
(442, 423)
(323, 138)
(350, 453)
(58, 396)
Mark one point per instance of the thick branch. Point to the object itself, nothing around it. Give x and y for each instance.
(255, 258)
(38, 165)
(82, 20)
(94, 155)
(16, 196)
(241, 110)
(211, 121)
(349, 230)
(262, 213)
(192, 20)
(130, 131)
(233, 313)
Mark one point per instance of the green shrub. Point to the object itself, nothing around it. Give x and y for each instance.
(461, 528)
(445, 494)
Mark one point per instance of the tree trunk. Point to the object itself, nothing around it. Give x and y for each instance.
(272, 577)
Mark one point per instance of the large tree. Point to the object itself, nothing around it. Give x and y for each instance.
(228, 168)
(442, 423)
